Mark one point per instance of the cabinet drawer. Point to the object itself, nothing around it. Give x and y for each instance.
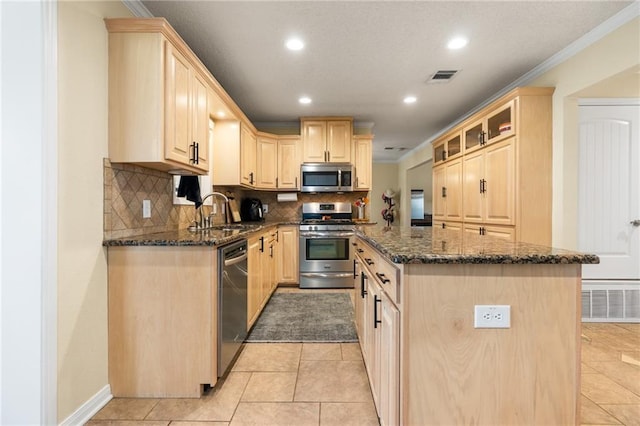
(380, 269)
(388, 276)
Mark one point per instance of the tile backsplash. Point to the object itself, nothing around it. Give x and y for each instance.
(127, 185)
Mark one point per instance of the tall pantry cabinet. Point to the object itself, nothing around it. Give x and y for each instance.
(504, 155)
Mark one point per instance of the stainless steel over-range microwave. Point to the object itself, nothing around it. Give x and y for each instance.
(327, 177)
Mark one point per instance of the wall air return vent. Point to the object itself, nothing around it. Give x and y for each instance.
(610, 301)
(442, 76)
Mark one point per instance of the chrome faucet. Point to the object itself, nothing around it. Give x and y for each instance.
(203, 223)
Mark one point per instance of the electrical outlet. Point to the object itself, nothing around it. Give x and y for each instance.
(265, 208)
(492, 316)
(146, 209)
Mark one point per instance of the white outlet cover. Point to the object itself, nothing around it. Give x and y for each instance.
(492, 316)
(146, 209)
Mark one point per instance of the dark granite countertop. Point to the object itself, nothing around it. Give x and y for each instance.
(437, 245)
(222, 234)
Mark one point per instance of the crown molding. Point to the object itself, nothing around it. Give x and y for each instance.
(137, 8)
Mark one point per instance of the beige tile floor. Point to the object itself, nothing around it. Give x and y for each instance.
(326, 384)
(610, 374)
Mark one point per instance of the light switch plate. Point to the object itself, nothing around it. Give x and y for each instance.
(492, 316)
(146, 209)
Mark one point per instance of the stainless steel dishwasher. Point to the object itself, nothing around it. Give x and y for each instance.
(232, 302)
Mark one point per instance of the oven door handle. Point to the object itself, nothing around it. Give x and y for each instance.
(326, 234)
(326, 275)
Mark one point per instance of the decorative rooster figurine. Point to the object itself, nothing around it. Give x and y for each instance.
(387, 214)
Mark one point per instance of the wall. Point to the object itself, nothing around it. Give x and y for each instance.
(27, 231)
(82, 263)
(601, 70)
(421, 177)
(385, 175)
(416, 159)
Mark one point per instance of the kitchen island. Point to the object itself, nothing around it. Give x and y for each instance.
(428, 364)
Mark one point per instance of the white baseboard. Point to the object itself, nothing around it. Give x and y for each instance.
(87, 410)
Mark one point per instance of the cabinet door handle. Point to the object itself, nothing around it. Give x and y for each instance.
(355, 262)
(251, 178)
(368, 260)
(276, 182)
(635, 222)
(376, 321)
(196, 157)
(359, 250)
(444, 192)
(296, 181)
(329, 157)
(484, 185)
(363, 290)
(262, 244)
(383, 278)
(481, 186)
(270, 251)
(192, 153)
(444, 226)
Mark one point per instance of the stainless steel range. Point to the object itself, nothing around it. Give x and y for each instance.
(326, 252)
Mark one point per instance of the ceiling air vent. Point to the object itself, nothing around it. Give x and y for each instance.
(442, 76)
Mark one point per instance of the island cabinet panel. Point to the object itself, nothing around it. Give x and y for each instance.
(162, 320)
(454, 373)
(378, 323)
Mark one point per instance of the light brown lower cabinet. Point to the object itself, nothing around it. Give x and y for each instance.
(378, 323)
(428, 365)
(162, 320)
(262, 252)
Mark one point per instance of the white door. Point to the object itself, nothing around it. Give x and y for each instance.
(609, 190)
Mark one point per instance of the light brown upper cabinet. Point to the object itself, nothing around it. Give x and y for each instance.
(489, 185)
(362, 148)
(158, 112)
(248, 160)
(447, 191)
(288, 162)
(495, 126)
(278, 161)
(266, 162)
(326, 140)
(448, 147)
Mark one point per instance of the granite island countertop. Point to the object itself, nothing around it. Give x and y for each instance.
(410, 245)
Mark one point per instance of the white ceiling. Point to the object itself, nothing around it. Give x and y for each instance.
(362, 57)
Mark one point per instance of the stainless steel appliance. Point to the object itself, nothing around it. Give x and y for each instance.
(326, 252)
(232, 302)
(327, 177)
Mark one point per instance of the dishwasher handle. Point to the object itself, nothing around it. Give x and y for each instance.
(234, 260)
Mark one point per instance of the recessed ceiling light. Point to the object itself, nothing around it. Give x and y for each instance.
(410, 100)
(457, 43)
(294, 44)
(305, 100)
